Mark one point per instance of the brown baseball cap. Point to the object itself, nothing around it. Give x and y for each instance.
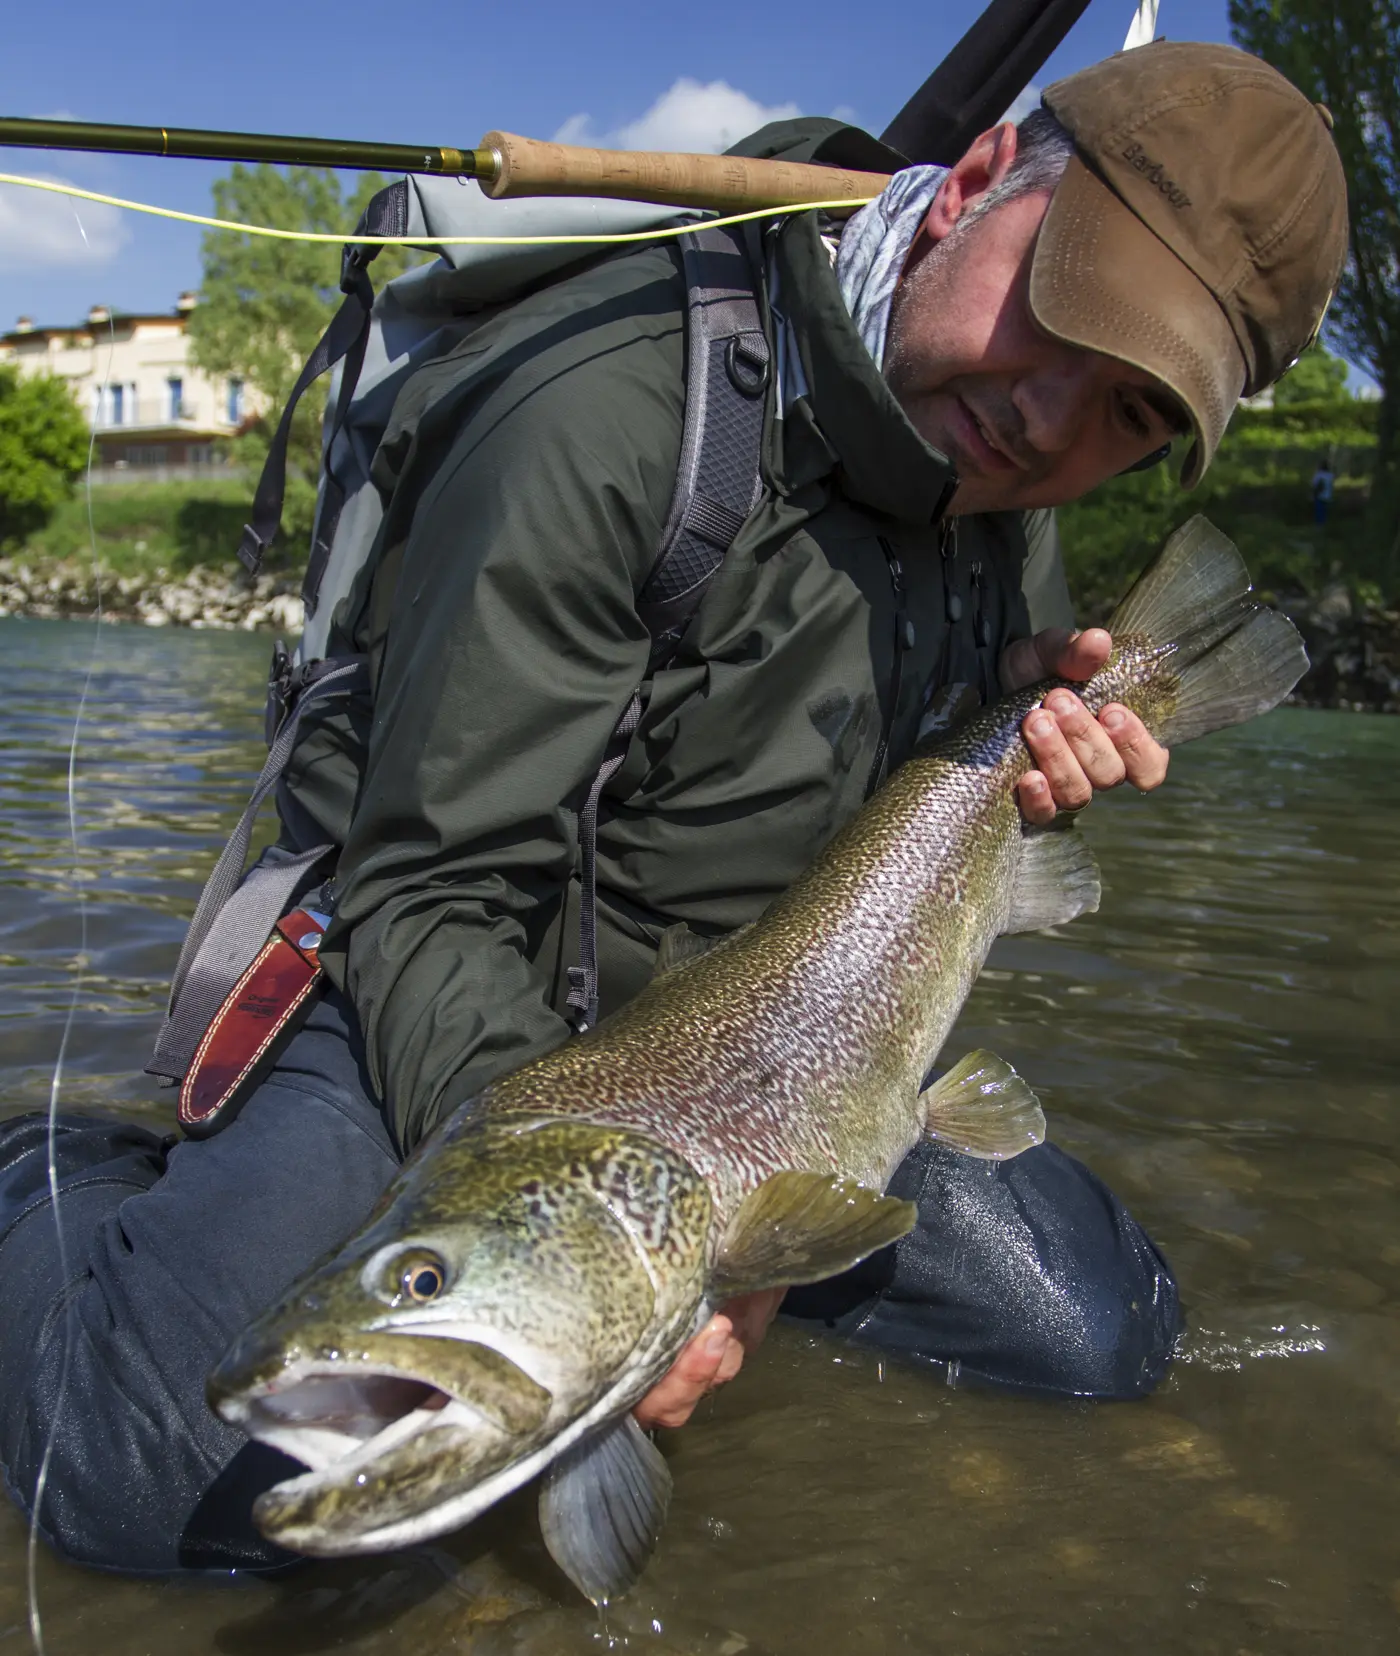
(1200, 229)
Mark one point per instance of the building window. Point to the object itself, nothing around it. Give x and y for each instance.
(177, 398)
(115, 399)
(235, 401)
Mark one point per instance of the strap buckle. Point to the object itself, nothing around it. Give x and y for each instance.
(748, 363)
(285, 682)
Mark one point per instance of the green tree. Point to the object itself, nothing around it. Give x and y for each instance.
(1346, 54)
(43, 449)
(264, 303)
(1318, 377)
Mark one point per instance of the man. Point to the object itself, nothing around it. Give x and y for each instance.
(990, 342)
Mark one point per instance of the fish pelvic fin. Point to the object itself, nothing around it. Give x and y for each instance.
(602, 1505)
(983, 1108)
(1057, 880)
(802, 1227)
(1234, 658)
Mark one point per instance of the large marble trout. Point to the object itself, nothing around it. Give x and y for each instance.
(541, 1259)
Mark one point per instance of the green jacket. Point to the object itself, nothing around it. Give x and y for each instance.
(528, 476)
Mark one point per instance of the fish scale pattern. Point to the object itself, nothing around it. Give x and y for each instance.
(802, 1040)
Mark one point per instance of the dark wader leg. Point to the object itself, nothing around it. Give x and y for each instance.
(1027, 1273)
(170, 1252)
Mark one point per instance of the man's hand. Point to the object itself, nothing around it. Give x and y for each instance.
(1075, 753)
(710, 1359)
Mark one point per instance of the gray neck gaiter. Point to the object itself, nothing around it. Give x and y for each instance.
(874, 247)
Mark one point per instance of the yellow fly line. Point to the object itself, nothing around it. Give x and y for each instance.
(338, 238)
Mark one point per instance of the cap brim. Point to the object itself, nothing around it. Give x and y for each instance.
(1102, 280)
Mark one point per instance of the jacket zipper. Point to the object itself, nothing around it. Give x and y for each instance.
(904, 638)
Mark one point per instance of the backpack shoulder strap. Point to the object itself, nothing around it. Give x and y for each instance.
(718, 483)
(344, 340)
(718, 480)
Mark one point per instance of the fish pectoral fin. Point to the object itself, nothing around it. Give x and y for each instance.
(802, 1227)
(1058, 879)
(983, 1108)
(602, 1505)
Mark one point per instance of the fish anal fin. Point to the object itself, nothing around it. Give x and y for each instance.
(802, 1227)
(983, 1108)
(1057, 880)
(602, 1505)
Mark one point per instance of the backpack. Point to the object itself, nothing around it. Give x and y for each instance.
(374, 345)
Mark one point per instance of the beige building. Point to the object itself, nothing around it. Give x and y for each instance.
(155, 413)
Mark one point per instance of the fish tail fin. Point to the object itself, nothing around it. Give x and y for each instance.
(1233, 657)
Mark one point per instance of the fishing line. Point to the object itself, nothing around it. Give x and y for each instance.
(339, 237)
(36, 1627)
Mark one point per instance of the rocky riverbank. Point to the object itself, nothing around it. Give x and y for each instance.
(1354, 648)
(203, 597)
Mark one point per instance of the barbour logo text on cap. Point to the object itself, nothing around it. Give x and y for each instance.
(1155, 173)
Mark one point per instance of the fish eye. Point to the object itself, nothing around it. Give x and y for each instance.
(418, 1276)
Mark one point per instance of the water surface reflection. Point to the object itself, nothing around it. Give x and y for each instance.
(1218, 1042)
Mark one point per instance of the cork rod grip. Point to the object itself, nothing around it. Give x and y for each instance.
(723, 183)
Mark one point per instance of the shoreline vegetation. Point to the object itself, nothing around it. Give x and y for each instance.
(164, 551)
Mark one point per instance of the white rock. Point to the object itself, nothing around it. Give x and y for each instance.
(286, 612)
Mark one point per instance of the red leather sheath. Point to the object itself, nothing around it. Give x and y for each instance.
(268, 1004)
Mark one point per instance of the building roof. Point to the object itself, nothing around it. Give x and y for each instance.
(99, 316)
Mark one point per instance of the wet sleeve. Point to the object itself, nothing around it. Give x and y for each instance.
(1043, 582)
(513, 644)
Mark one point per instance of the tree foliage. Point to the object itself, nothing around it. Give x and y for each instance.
(43, 449)
(264, 304)
(1259, 491)
(1346, 54)
(1318, 376)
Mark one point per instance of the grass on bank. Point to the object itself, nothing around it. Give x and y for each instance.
(142, 528)
(1259, 491)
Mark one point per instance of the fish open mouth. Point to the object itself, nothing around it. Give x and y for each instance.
(323, 1417)
(388, 1442)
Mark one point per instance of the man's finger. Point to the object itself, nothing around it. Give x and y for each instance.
(1035, 799)
(1144, 758)
(1054, 652)
(1090, 743)
(671, 1401)
(1081, 655)
(1070, 788)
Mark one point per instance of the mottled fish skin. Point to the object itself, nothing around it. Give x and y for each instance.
(802, 1040)
(580, 1203)
(574, 1221)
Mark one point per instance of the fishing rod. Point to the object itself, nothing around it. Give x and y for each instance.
(504, 164)
(1000, 53)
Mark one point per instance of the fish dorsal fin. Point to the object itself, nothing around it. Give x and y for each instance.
(801, 1227)
(1057, 880)
(983, 1108)
(602, 1505)
(679, 946)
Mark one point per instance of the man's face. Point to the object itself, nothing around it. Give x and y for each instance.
(1026, 419)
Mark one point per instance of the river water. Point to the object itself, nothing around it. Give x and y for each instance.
(1219, 1043)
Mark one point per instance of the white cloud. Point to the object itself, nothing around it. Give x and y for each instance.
(1026, 104)
(41, 231)
(691, 116)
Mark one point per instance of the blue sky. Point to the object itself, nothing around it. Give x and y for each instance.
(340, 70)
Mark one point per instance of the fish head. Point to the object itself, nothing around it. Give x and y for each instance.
(519, 1274)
